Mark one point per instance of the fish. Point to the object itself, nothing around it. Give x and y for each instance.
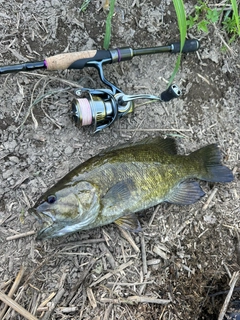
(121, 181)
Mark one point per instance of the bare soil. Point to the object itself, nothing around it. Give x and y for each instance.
(186, 254)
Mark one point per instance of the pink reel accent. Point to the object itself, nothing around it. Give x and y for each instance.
(86, 111)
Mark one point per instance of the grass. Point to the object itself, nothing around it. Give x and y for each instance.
(107, 36)
(182, 25)
(204, 15)
(84, 5)
(202, 18)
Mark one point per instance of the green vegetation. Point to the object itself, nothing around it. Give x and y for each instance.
(108, 25)
(182, 25)
(204, 16)
(84, 5)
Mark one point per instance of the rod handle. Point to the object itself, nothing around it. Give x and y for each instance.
(189, 46)
(75, 60)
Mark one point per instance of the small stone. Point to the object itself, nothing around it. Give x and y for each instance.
(6, 174)
(14, 159)
(69, 150)
(55, 3)
(10, 145)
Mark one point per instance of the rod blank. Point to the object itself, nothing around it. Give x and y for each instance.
(82, 59)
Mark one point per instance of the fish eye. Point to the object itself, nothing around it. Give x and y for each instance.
(51, 199)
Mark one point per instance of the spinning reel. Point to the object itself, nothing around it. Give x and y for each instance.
(101, 107)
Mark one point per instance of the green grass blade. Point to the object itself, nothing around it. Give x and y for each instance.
(108, 25)
(181, 17)
(235, 12)
(182, 25)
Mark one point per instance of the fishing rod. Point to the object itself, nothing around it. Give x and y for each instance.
(103, 106)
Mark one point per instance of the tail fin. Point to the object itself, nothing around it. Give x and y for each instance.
(211, 168)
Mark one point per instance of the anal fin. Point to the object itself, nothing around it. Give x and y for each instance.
(185, 193)
(129, 222)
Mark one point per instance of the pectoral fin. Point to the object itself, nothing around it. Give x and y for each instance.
(129, 222)
(187, 192)
(121, 191)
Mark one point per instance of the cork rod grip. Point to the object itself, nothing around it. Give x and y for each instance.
(65, 60)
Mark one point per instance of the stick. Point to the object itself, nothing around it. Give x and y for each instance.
(91, 298)
(228, 297)
(44, 303)
(136, 299)
(13, 289)
(108, 255)
(144, 259)
(215, 190)
(153, 130)
(21, 235)
(55, 301)
(107, 312)
(128, 284)
(109, 274)
(67, 309)
(14, 305)
(129, 238)
(153, 216)
(80, 280)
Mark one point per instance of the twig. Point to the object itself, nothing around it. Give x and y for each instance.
(203, 78)
(5, 284)
(54, 302)
(128, 284)
(21, 235)
(5, 219)
(129, 238)
(43, 304)
(225, 43)
(228, 297)
(23, 287)
(14, 305)
(157, 129)
(109, 274)
(136, 299)
(153, 216)
(67, 309)
(91, 298)
(144, 259)
(204, 208)
(237, 247)
(142, 288)
(78, 284)
(108, 255)
(13, 289)
(76, 244)
(107, 312)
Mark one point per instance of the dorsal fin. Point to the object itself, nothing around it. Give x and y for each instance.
(165, 144)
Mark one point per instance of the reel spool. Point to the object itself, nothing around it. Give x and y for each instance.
(98, 107)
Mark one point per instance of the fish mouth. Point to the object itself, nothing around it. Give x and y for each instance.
(44, 217)
(45, 220)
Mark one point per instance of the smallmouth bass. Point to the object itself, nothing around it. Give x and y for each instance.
(117, 183)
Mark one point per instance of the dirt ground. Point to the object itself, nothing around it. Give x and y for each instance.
(185, 255)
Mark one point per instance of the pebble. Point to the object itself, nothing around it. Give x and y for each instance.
(69, 150)
(6, 174)
(10, 145)
(55, 3)
(14, 159)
